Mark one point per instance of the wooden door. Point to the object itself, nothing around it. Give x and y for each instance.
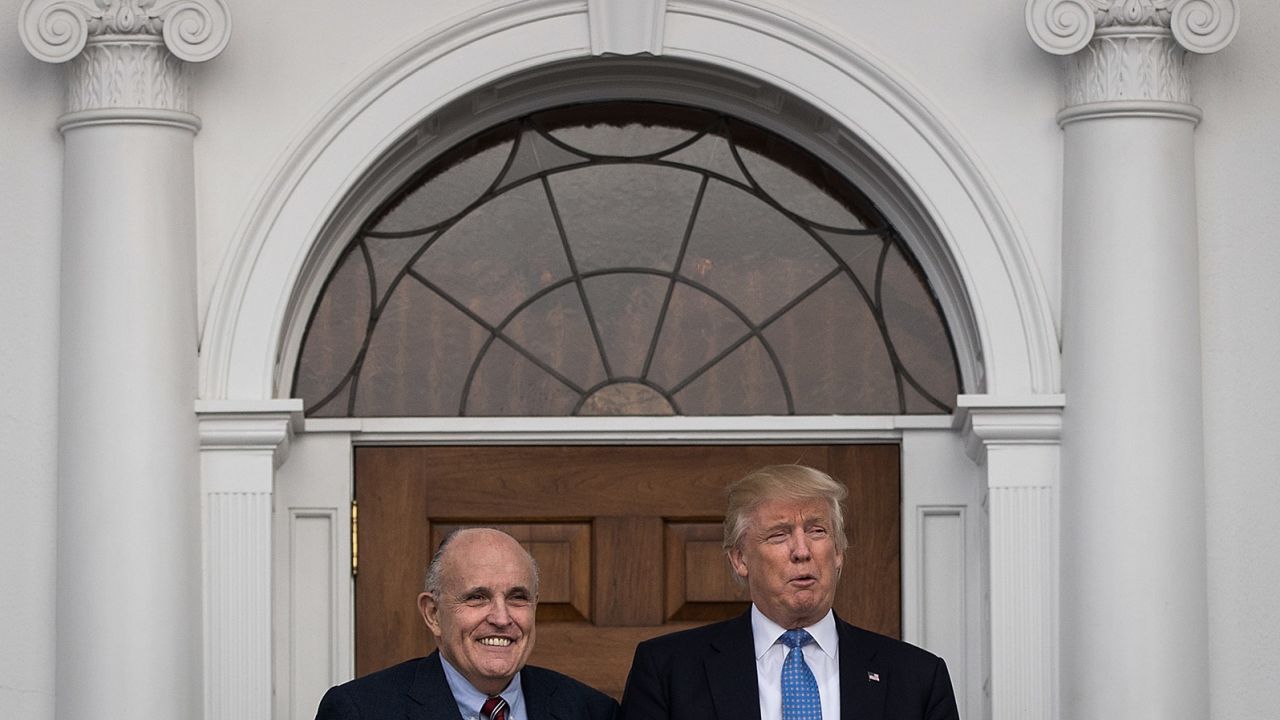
(627, 540)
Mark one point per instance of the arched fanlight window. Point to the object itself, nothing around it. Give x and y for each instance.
(626, 258)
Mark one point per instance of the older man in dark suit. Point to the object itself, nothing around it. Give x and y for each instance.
(479, 602)
(789, 657)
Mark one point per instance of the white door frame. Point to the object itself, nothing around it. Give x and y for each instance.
(984, 277)
(942, 527)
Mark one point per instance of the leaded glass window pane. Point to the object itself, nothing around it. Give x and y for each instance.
(626, 258)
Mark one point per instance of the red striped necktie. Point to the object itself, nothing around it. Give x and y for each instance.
(495, 708)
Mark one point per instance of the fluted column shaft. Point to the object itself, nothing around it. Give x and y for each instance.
(1134, 632)
(129, 571)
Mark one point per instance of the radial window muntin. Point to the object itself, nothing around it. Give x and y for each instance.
(632, 137)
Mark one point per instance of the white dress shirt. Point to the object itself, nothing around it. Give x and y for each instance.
(470, 699)
(822, 656)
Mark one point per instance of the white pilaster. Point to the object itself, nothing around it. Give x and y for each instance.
(1134, 614)
(1017, 439)
(128, 506)
(241, 445)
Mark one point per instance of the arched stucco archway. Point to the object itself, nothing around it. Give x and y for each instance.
(984, 279)
(992, 282)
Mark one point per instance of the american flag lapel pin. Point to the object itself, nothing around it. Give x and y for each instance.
(873, 677)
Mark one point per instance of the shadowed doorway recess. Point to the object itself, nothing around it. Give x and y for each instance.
(628, 540)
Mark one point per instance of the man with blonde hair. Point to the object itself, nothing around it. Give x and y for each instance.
(789, 657)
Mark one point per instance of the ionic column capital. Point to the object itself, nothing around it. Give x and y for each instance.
(56, 31)
(126, 54)
(1131, 54)
(1064, 27)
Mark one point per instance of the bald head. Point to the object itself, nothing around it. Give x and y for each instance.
(480, 603)
(459, 544)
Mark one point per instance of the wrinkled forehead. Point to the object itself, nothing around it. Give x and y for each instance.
(790, 510)
(499, 564)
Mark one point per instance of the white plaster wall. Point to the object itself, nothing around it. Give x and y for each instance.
(975, 63)
(1238, 171)
(30, 182)
(287, 61)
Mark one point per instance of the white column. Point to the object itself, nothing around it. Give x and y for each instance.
(241, 445)
(1134, 609)
(1017, 439)
(128, 525)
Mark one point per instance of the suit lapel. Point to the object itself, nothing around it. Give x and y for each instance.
(731, 672)
(430, 693)
(863, 683)
(537, 698)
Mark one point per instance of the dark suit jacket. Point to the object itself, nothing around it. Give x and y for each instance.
(417, 690)
(709, 673)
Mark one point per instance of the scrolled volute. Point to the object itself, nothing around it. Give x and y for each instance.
(1204, 26)
(55, 31)
(1061, 27)
(194, 30)
(1064, 27)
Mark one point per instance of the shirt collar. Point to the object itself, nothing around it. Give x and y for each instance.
(766, 632)
(470, 699)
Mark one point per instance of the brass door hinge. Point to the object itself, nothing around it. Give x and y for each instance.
(355, 538)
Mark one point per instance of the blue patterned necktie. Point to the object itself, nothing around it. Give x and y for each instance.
(800, 699)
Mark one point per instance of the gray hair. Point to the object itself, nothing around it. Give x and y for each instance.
(782, 482)
(433, 583)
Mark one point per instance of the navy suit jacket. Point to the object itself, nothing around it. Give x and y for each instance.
(709, 673)
(417, 690)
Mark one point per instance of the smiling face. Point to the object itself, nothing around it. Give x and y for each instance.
(789, 557)
(483, 619)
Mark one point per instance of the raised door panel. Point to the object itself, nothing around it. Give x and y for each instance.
(627, 540)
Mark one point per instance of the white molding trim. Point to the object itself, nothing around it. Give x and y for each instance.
(313, 626)
(626, 28)
(941, 604)
(1017, 438)
(985, 420)
(1158, 109)
(241, 445)
(615, 430)
(324, 653)
(661, 80)
(249, 426)
(1015, 341)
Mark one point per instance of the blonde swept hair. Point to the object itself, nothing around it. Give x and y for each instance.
(782, 482)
